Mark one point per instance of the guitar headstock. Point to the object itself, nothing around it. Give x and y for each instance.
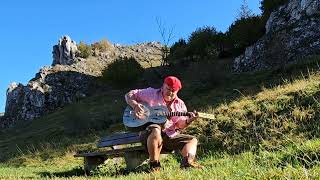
(206, 115)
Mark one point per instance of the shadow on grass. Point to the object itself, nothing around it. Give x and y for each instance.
(115, 170)
(78, 171)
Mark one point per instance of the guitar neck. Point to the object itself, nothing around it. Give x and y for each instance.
(201, 115)
(170, 114)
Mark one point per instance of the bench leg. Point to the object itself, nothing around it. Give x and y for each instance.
(134, 159)
(91, 162)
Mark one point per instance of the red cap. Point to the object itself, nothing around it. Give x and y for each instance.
(173, 83)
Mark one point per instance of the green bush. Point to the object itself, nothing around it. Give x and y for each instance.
(85, 50)
(244, 32)
(204, 43)
(177, 52)
(201, 42)
(267, 6)
(207, 43)
(123, 72)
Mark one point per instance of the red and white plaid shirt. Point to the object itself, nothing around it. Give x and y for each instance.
(153, 97)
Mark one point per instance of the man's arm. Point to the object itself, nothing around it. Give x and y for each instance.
(132, 101)
(185, 123)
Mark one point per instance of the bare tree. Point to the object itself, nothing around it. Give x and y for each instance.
(166, 36)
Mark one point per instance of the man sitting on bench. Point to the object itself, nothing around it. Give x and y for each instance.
(166, 136)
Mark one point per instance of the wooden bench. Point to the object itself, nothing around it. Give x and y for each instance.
(133, 156)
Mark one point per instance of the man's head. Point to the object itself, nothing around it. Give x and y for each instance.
(170, 88)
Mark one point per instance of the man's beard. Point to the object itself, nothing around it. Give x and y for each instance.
(169, 98)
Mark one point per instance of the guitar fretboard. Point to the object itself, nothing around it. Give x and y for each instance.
(169, 114)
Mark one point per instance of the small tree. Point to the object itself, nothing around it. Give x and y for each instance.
(202, 42)
(177, 52)
(244, 32)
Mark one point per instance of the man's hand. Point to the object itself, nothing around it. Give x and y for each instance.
(192, 116)
(139, 111)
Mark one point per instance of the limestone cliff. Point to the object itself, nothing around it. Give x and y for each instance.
(292, 32)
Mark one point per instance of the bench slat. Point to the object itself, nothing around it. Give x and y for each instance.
(118, 139)
(128, 140)
(110, 152)
(120, 135)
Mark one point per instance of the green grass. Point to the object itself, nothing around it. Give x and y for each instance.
(248, 165)
(267, 126)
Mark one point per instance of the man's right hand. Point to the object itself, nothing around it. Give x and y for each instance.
(139, 111)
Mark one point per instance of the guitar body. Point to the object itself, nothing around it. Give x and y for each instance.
(153, 114)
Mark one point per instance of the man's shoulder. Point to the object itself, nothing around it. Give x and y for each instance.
(153, 89)
(147, 91)
(150, 89)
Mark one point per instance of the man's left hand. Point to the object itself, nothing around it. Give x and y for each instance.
(192, 116)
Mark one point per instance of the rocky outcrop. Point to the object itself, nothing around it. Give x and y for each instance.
(68, 80)
(1, 115)
(50, 89)
(292, 32)
(65, 51)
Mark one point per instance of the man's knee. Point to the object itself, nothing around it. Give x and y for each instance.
(154, 129)
(154, 137)
(194, 140)
(156, 133)
(153, 126)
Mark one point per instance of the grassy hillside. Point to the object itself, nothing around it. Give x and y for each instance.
(267, 126)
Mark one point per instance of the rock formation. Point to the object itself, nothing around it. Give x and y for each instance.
(65, 51)
(50, 89)
(69, 79)
(292, 32)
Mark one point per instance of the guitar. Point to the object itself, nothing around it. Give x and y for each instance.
(155, 114)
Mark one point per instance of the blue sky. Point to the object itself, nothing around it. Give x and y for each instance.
(30, 28)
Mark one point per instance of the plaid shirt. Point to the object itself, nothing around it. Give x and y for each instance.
(153, 97)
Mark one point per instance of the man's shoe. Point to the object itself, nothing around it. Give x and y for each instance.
(190, 162)
(155, 166)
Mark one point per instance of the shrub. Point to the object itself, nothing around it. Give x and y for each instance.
(201, 42)
(177, 52)
(85, 50)
(123, 72)
(102, 45)
(244, 32)
(267, 6)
